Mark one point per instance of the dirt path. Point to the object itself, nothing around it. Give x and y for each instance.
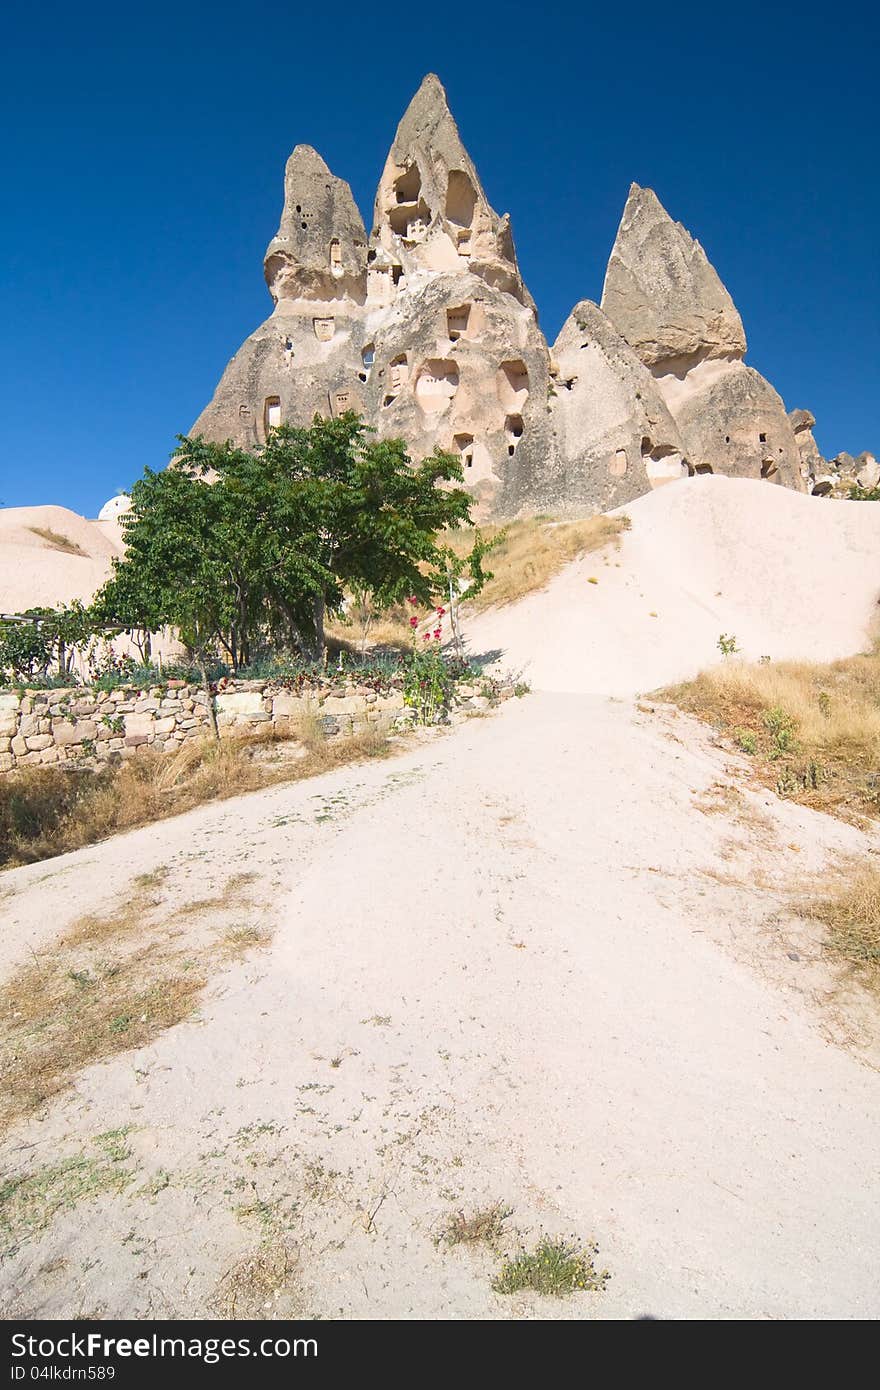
(538, 961)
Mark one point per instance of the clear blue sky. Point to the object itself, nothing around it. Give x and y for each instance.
(144, 149)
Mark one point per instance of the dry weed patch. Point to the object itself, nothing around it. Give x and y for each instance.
(111, 983)
(252, 1287)
(813, 731)
(532, 551)
(57, 540)
(48, 811)
(848, 906)
(483, 1227)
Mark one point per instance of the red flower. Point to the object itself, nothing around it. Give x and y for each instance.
(413, 600)
(437, 633)
(426, 637)
(440, 612)
(413, 622)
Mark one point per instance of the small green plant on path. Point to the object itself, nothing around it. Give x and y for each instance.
(726, 644)
(747, 741)
(555, 1268)
(780, 726)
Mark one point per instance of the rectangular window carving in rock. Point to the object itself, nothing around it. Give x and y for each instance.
(464, 444)
(464, 242)
(436, 384)
(408, 186)
(617, 464)
(335, 255)
(457, 321)
(513, 429)
(324, 329)
(398, 372)
(272, 413)
(379, 285)
(461, 199)
(512, 385)
(368, 355)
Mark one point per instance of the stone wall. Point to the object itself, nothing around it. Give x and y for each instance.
(86, 727)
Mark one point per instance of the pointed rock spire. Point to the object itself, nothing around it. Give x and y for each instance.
(320, 248)
(431, 212)
(661, 292)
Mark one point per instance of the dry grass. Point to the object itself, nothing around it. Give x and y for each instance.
(253, 1286)
(530, 552)
(387, 629)
(850, 911)
(48, 811)
(527, 556)
(57, 540)
(812, 730)
(111, 983)
(484, 1227)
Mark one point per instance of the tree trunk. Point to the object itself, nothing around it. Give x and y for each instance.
(206, 686)
(319, 607)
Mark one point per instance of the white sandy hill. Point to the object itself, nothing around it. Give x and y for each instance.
(37, 570)
(789, 576)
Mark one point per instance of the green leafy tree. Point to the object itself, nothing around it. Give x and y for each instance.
(373, 520)
(238, 548)
(41, 641)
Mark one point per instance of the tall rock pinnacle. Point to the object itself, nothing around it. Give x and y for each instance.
(320, 248)
(306, 358)
(431, 211)
(664, 297)
(661, 292)
(460, 361)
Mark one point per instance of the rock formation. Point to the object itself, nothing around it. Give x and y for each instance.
(460, 361)
(665, 298)
(306, 357)
(662, 294)
(614, 431)
(427, 330)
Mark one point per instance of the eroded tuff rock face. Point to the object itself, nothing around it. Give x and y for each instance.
(460, 361)
(426, 329)
(661, 292)
(666, 299)
(306, 357)
(614, 431)
(813, 466)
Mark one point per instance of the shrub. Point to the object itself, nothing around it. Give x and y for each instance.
(555, 1268)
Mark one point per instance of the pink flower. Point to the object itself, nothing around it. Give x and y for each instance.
(413, 622)
(437, 633)
(426, 637)
(440, 612)
(413, 600)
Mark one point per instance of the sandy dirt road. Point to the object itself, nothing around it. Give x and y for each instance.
(526, 962)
